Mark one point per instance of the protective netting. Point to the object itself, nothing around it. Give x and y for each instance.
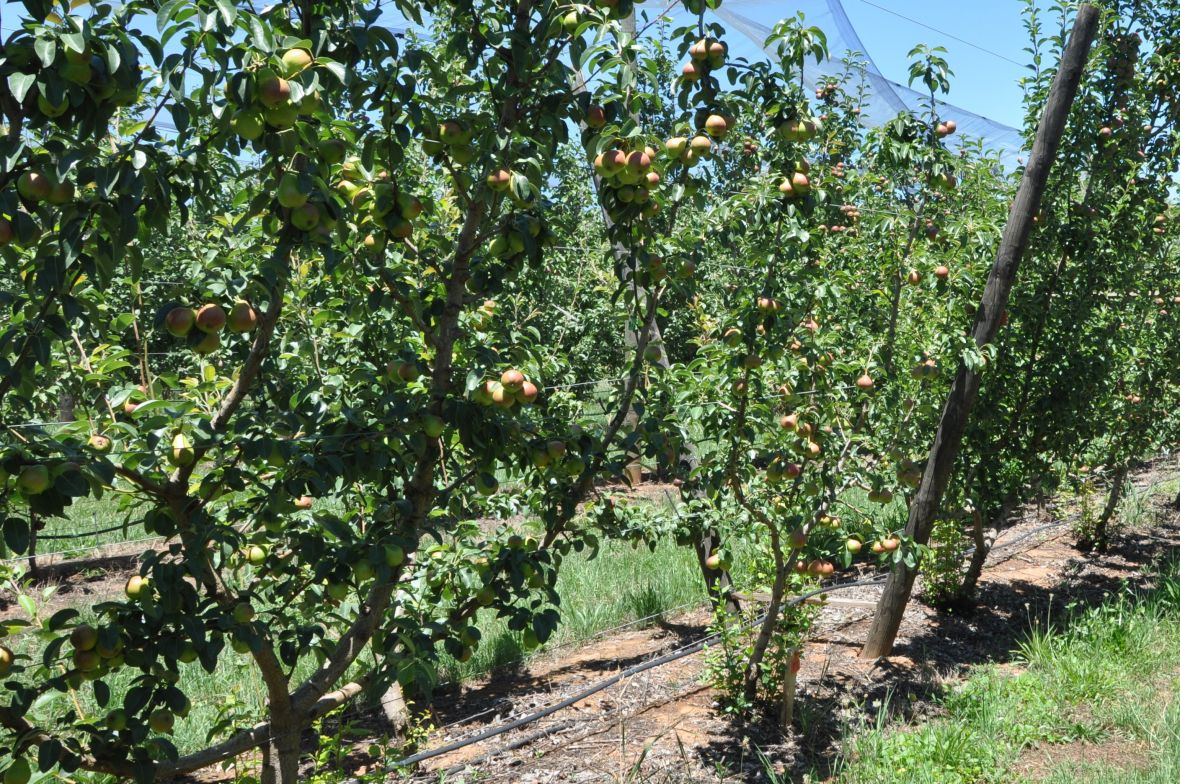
(755, 18)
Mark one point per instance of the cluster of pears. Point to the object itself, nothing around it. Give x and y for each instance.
(203, 326)
(451, 140)
(511, 388)
(76, 83)
(555, 453)
(384, 209)
(95, 652)
(629, 177)
(796, 184)
(36, 186)
(705, 56)
(799, 130)
(612, 9)
(827, 91)
(849, 215)
(516, 231)
(268, 99)
(713, 126)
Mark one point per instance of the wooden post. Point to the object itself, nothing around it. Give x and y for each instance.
(965, 387)
(787, 712)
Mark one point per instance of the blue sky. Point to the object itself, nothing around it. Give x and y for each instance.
(983, 83)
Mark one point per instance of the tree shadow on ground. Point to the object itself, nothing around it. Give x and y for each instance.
(932, 647)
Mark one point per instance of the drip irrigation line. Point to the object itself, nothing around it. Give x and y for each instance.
(80, 534)
(675, 655)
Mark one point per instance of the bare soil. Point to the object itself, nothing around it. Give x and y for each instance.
(663, 725)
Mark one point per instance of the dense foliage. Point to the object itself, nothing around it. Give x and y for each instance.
(333, 304)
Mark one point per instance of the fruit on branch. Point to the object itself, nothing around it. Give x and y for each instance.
(942, 272)
(595, 116)
(273, 91)
(890, 543)
(951, 126)
(528, 393)
(716, 126)
(303, 502)
(295, 61)
(137, 587)
(249, 123)
(797, 539)
(433, 426)
(853, 545)
(865, 382)
(700, 145)
(306, 217)
(180, 321)
(210, 318)
(161, 721)
(677, 146)
(713, 561)
(61, 193)
(208, 343)
(33, 479)
(914, 277)
(84, 637)
(34, 186)
(453, 132)
(289, 193)
(242, 317)
(512, 379)
(499, 180)
(255, 555)
(182, 453)
(100, 443)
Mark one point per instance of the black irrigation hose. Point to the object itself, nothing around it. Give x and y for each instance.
(81, 534)
(667, 658)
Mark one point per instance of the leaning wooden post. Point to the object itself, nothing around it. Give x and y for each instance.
(987, 321)
(787, 712)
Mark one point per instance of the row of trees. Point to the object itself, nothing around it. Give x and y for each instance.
(326, 297)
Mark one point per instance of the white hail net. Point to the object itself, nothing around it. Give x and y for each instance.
(755, 18)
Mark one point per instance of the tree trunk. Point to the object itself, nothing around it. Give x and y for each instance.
(395, 710)
(987, 321)
(280, 755)
(1100, 538)
(984, 539)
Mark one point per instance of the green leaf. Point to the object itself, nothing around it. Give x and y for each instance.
(46, 49)
(263, 38)
(19, 84)
(229, 10)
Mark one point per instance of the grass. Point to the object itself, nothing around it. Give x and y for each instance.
(1107, 675)
(620, 586)
(85, 528)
